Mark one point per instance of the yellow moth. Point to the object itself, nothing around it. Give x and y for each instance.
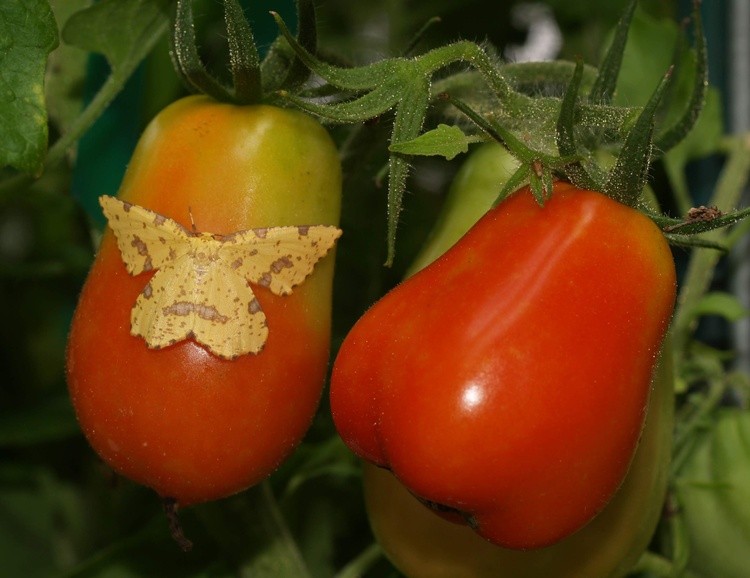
(201, 289)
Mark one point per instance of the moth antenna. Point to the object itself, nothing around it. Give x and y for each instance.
(192, 221)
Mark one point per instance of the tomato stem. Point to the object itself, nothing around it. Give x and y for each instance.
(251, 78)
(171, 507)
(185, 57)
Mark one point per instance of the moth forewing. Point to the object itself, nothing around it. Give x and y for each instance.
(147, 240)
(279, 258)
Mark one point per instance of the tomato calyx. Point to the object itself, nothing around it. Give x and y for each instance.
(553, 116)
(252, 78)
(537, 167)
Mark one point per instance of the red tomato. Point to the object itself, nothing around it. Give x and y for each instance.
(506, 384)
(181, 420)
(423, 545)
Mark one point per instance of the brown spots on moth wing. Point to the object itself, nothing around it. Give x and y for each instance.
(237, 263)
(303, 230)
(139, 245)
(253, 307)
(179, 308)
(282, 263)
(148, 291)
(126, 206)
(207, 312)
(261, 233)
(210, 313)
(142, 249)
(265, 280)
(159, 220)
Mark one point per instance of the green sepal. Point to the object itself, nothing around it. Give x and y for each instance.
(187, 62)
(282, 69)
(548, 77)
(577, 173)
(629, 175)
(406, 126)
(540, 183)
(367, 107)
(243, 54)
(537, 166)
(609, 71)
(674, 134)
(398, 83)
(688, 242)
(515, 182)
(690, 226)
(420, 34)
(353, 79)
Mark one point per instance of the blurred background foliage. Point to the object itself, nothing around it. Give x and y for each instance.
(61, 512)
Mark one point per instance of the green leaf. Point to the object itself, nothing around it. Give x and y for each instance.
(124, 31)
(722, 304)
(446, 141)
(28, 33)
(66, 72)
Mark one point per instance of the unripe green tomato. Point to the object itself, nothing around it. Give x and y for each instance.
(422, 544)
(713, 492)
(181, 420)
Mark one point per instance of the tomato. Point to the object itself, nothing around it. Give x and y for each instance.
(423, 545)
(190, 425)
(713, 497)
(506, 384)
